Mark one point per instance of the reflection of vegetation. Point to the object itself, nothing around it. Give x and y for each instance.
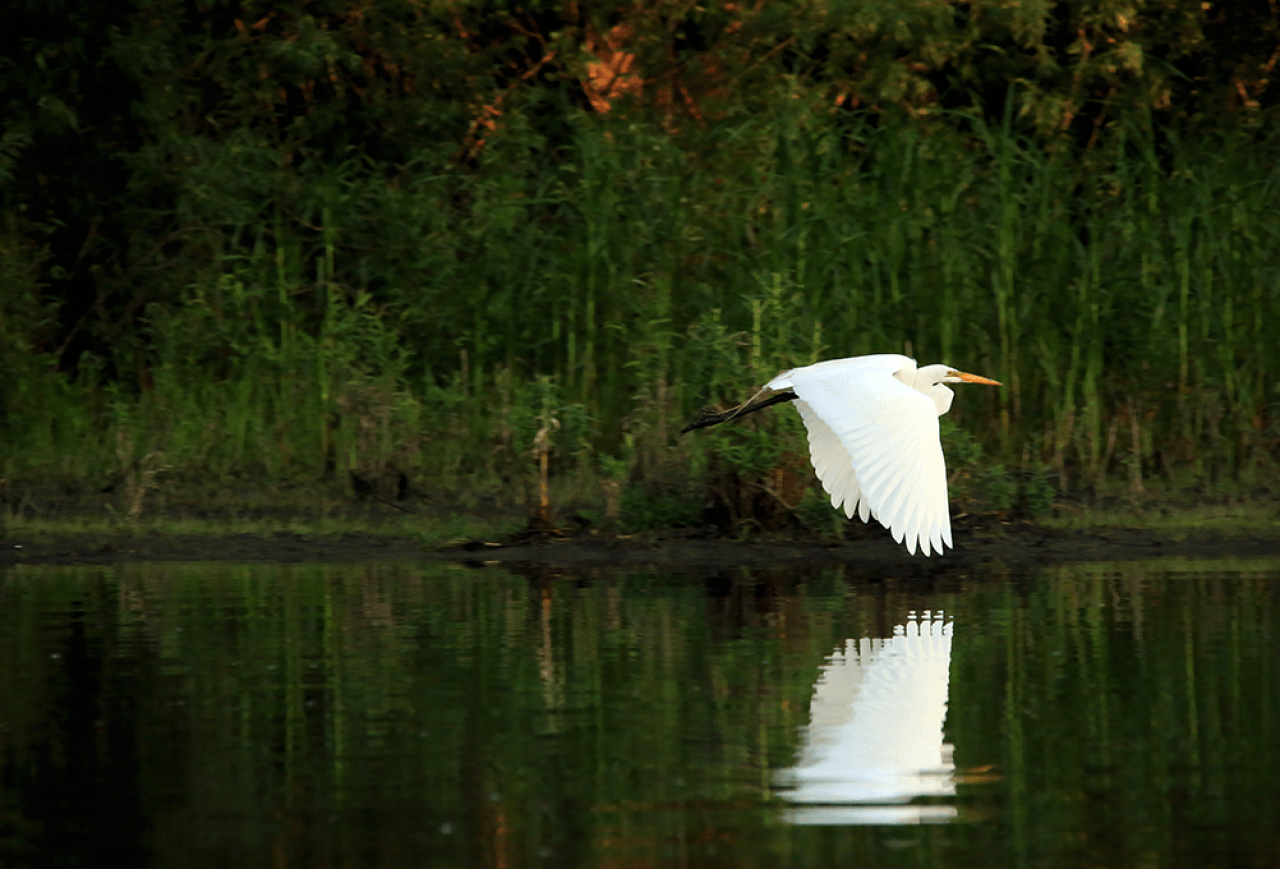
(1135, 708)
(376, 714)
(519, 714)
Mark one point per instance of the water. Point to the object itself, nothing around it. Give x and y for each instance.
(409, 715)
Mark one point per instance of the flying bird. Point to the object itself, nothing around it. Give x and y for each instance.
(873, 438)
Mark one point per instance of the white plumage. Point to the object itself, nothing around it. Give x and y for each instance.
(873, 440)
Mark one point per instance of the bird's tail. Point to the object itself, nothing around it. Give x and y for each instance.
(708, 417)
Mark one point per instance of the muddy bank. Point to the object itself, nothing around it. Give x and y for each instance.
(977, 544)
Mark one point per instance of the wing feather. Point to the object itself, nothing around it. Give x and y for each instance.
(874, 444)
(840, 486)
(831, 461)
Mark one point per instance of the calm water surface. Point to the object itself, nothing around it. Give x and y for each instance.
(407, 715)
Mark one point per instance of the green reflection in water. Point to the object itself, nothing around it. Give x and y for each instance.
(406, 715)
(1130, 710)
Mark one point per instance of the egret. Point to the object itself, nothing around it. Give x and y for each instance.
(873, 438)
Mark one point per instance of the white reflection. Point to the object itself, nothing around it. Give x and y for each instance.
(874, 741)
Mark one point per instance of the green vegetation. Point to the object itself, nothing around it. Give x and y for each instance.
(439, 530)
(264, 248)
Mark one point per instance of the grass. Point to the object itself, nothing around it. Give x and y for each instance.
(1225, 520)
(591, 299)
(438, 533)
(319, 513)
(314, 513)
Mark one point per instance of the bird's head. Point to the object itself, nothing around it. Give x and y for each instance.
(953, 376)
(930, 380)
(932, 375)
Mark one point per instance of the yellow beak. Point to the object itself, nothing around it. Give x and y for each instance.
(974, 378)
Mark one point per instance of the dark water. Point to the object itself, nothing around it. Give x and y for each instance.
(401, 715)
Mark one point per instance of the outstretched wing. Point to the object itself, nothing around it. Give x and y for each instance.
(874, 444)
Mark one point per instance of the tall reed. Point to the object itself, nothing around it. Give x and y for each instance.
(1124, 299)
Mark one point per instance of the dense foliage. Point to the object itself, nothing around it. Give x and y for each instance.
(279, 240)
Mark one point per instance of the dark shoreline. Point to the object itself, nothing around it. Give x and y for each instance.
(997, 543)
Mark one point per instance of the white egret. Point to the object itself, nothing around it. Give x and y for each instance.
(875, 741)
(873, 438)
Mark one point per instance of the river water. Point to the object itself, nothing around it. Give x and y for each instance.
(448, 716)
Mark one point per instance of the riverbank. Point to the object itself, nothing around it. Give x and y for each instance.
(980, 541)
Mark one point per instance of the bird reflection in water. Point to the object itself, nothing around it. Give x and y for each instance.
(874, 743)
